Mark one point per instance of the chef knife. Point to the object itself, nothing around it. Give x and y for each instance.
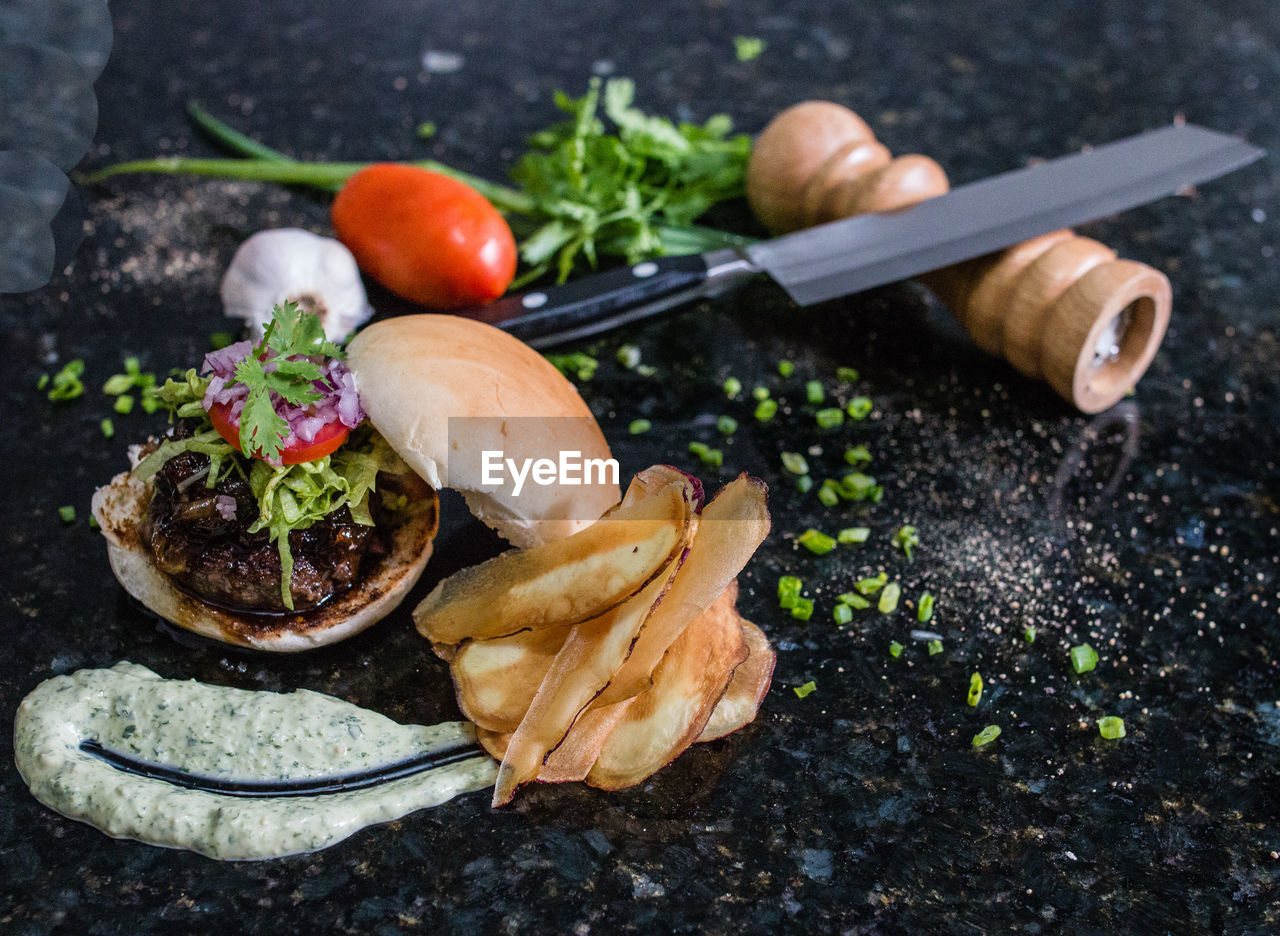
(857, 253)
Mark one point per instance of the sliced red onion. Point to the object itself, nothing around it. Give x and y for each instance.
(226, 506)
(223, 361)
(340, 401)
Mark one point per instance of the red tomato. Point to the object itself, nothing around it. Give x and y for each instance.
(425, 236)
(327, 441)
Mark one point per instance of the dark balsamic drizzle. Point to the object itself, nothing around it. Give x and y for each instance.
(316, 786)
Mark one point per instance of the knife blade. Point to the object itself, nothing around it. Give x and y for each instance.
(858, 253)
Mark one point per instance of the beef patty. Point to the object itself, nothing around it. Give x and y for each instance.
(218, 560)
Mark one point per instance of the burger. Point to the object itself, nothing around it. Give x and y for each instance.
(293, 501)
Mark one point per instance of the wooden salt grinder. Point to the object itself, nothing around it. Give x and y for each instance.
(1060, 307)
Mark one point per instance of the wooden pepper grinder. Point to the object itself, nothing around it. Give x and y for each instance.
(1060, 307)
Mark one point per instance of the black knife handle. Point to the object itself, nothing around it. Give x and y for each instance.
(573, 307)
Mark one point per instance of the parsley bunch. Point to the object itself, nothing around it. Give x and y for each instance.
(633, 192)
(280, 364)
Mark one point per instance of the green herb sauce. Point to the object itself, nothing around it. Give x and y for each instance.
(228, 734)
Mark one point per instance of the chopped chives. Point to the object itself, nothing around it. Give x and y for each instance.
(924, 612)
(67, 514)
(975, 690)
(117, 384)
(713, 457)
(813, 391)
(842, 613)
(124, 404)
(816, 541)
(853, 535)
(760, 393)
(859, 408)
(789, 585)
(1111, 727)
(829, 418)
(639, 426)
(628, 355)
(858, 486)
(854, 600)
(42, 382)
(149, 403)
(847, 374)
(806, 689)
(804, 484)
(108, 428)
(889, 598)
(907, 540)
(794, 462)
(1083, 658)
(748, 48)
(786, 368)
(829, 493)
(1029, 634)
(857, 456)
(732, 387)
(577, 364)
(219, 340)
(986, 735)
(895, 649)
(877, 494)
(766, 410)
(802, 609)
(869, 586)
(646, 370)
(788, 592)
(66, 382)
(727, 425)
(935, 647)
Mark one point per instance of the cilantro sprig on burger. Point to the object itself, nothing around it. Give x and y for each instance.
(292, 502)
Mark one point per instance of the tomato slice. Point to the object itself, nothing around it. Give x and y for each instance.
(327, 441)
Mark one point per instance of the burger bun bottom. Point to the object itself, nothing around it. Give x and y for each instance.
(120, 507)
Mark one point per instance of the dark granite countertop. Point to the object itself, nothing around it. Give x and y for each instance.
(1150, 532)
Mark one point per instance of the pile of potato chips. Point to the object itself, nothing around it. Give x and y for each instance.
(602, 656)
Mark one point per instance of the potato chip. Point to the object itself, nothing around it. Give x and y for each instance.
(747, 689)
(563, 582)
(495, 680)
(654, 478)
(592, 653)
(730, 529)
(663, 721)
(574, 756)
(494, 742)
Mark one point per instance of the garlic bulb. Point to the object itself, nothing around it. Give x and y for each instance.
(290, 264)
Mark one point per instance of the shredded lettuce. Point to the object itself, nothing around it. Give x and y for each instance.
(293, 497)
(182, 398)
(208, 442)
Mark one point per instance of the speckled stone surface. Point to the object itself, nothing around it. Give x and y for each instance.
(1149, 532)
